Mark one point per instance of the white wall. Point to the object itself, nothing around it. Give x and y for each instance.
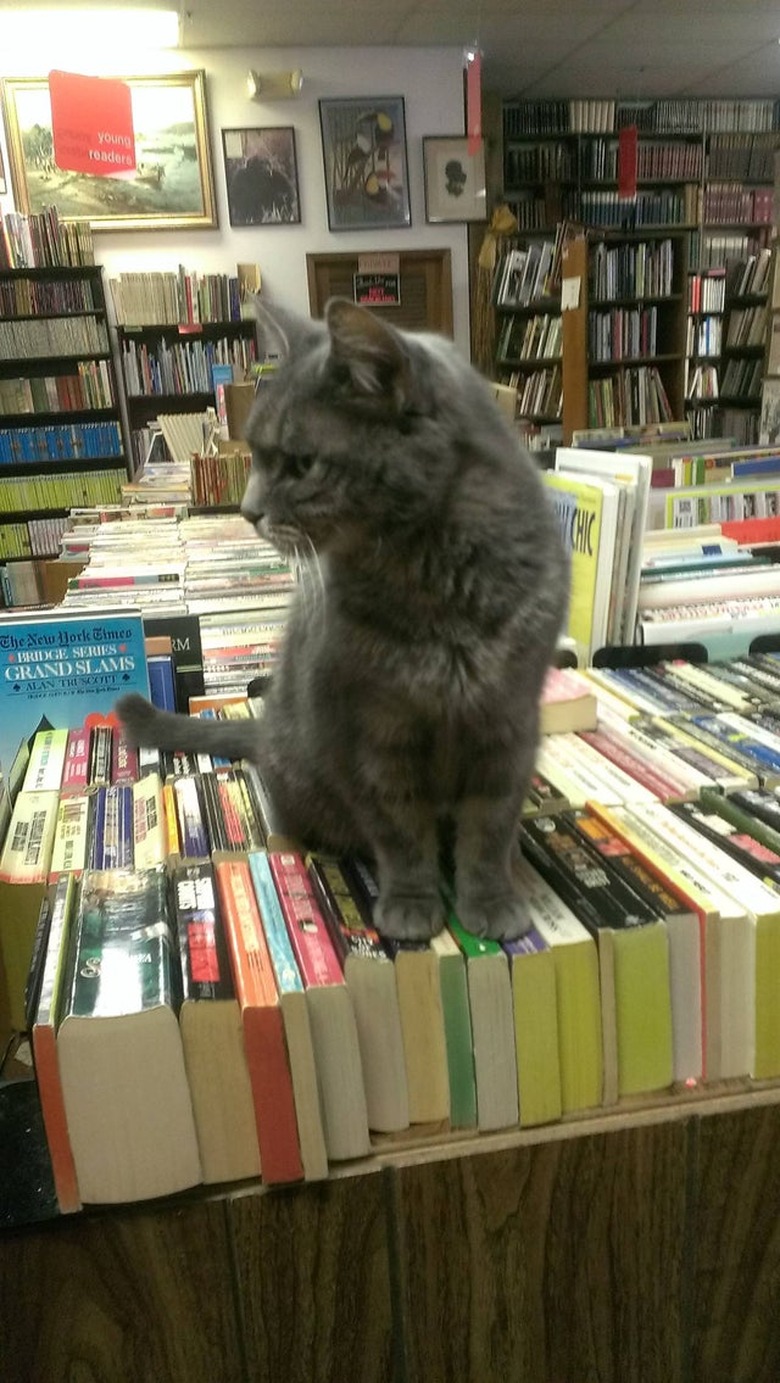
(429, 79)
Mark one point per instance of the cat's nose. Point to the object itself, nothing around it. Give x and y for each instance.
(251, 512)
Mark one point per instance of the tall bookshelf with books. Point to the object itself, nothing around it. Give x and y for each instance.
(623, 330)
(181, 338)
(704, 172)
(529, 343)
(61, 437)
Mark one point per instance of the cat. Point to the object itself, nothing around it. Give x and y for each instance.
(406, 694)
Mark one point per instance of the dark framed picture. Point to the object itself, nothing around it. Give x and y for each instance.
(454, 179)
(262, 176)
(364, 152)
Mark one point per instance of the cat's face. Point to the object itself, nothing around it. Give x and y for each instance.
(335, 436)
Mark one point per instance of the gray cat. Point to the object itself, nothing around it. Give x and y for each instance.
(406, 695)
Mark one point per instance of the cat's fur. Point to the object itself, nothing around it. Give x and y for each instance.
(408, 686)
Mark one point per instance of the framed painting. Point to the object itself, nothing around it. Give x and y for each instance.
(364, 152)
(454, 179)
(262, 176)
(172, 186)
(3, 187)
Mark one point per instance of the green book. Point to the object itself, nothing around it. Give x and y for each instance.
(457, 1030)
(492, 1027)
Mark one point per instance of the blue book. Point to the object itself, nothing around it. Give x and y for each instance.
(162, 683)
(56, 670)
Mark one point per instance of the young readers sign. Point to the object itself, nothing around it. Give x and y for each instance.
(92, 124)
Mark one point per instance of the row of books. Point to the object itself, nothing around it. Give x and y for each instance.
(41, 240)
(29, 338)
(220, 479)
(742, 378)
(723, 247)
(622, 334)
(185, 297)
(703, 336)
(67, 490)
(540, 394)
(59, 442)
(671, 115)
(530, 338)
(651, 968)
(746, 327)
(750, 275)
(183, 367)
(639, 270)
(23, 297)
(33, 538)
(524, 275)
(636, 395)
(89, 388)
(732, 156)
(707, 292)
(656, 162)
(701, 381)
(731, 202)
(538, 163)
(664, 207)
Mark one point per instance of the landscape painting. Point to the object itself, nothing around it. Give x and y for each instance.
(172, 185)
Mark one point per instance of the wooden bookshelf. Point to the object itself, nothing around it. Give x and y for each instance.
(637, 1247)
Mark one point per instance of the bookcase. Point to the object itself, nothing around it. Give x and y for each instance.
(61, 437)
(639, 1248)
(529, 342)
(705, 170)
(624, 312)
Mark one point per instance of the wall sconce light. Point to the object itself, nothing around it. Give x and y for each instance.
(273, 86)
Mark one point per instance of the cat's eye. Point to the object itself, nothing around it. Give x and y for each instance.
(298, 466)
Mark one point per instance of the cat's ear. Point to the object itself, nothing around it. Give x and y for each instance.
(373, 354)
(282, 333)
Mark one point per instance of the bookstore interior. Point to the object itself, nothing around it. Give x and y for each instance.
(605, 1090)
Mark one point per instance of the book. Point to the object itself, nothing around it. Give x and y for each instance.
(71, 835)
(587, 513)
(578, 1000)
(25, 861)
(633, 953)
(736, 832)
(297, 1022)
(370, 979)
(334, 1030)
(211, 1033)
(133, 1138)
(457, 1030)
(262, 1023)
(568, 703)
(56, 668)
(422, 1015)
(492, 1028)
(535, 1008)
(46, 762)
(623, 468)
(43, 1020)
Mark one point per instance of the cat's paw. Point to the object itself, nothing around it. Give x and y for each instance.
(496, 919)
(138, 717)
(407, 918)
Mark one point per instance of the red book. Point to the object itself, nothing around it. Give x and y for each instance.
(333, 1025)
(75, 773)
(263, 1028)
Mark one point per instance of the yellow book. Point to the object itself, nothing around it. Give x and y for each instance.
(71, 835)
(587, 513)
(536, 1028)
(642, 1008)
(148, 823)
(577, 991)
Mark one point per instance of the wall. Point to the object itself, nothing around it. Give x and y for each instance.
(430, 79)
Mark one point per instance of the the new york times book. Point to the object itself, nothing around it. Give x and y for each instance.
(57, 669)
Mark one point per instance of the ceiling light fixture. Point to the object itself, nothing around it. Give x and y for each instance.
(273, 86)
(92, 27)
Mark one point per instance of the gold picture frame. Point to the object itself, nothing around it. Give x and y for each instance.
(173, 185)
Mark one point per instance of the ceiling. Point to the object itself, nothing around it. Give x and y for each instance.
(629, 48)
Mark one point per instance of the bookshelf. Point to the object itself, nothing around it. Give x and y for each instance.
(529, 341)
(623, 331)
(705, 170)
(61, 437)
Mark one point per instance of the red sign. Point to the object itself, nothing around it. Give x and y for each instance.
(92, 124)
(474, 101)
(627, 161)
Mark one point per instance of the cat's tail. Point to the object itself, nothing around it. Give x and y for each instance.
(152, 728)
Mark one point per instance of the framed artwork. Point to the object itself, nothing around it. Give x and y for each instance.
(172, 186)
(454, 179)
(364, 152)
(262, 176)
(3, 185)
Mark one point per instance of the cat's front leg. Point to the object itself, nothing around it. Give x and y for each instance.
(487, 901)
(410, 906)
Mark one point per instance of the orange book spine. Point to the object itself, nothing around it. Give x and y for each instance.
(264, 1040)
(47, 1074)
